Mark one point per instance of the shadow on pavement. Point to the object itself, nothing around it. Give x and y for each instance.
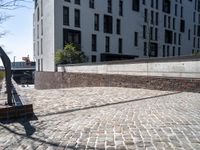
(25, 122)
(30, 130)
(108, 104)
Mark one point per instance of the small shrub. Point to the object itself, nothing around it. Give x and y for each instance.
(71, 54)
(196, 53)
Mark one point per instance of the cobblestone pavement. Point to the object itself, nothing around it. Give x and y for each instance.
(106, 118)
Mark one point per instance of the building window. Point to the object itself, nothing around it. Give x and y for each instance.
(153, 52)
(94, 58)
(179, 51)
(165, 21)
(91, 3)
(198, 5)
(198, 30)
(157, 4)
(193, 51)
(38, 14)
(71, 36)
(174, 51)
(151, 33)
(169, 22)
(41, 7)
(41, 46)
(107, 45)
(174, 23)
(136, 5)
(120, 8)
(77, 18)
(108, 24)
(167, 6)
(152, 3)
(41, 27)
(78, 2)
(136, 39)
(163, 50)
(145, 48)
(199, 18)
(118, 26)
(96, 22)
(157, 18)
(168, 36)
(41, 64)
(168, 53)
(34, 49)
(145, 15)
(94, 42)
(38, 48)
(189, 34)
(194, 17)
(38, 31)
(65, 15)
(152, 17)
(34, 33)
(120, 45)
(156, 34)
(109, 6)
(175, 11)
(182, 26)
(174, 38)
(194, 42)
(38, 65)
(179, 39)
(144, 31)
(181, 11)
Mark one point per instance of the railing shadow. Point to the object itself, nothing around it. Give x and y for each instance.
(24, 121)
(30, 130)
(55, 144)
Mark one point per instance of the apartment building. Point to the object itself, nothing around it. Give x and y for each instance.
(115, 29)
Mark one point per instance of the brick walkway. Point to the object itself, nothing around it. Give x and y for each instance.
(106, 118)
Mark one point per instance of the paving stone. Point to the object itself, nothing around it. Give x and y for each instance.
(110, 148)
(106, 118)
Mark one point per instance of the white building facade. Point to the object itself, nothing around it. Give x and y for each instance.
(115, 29)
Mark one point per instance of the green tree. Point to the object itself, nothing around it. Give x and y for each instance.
(71, 54)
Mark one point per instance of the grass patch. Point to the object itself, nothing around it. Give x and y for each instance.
(2, 75)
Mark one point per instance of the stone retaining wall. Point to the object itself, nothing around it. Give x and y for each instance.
(53, 80)
(178, 67)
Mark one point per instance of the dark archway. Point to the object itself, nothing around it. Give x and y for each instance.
(6, 62)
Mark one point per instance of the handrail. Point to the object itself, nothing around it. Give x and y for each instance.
(7, 64)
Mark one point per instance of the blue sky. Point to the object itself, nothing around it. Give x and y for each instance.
(18, 40)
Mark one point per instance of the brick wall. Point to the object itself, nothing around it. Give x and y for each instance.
(53, 80)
